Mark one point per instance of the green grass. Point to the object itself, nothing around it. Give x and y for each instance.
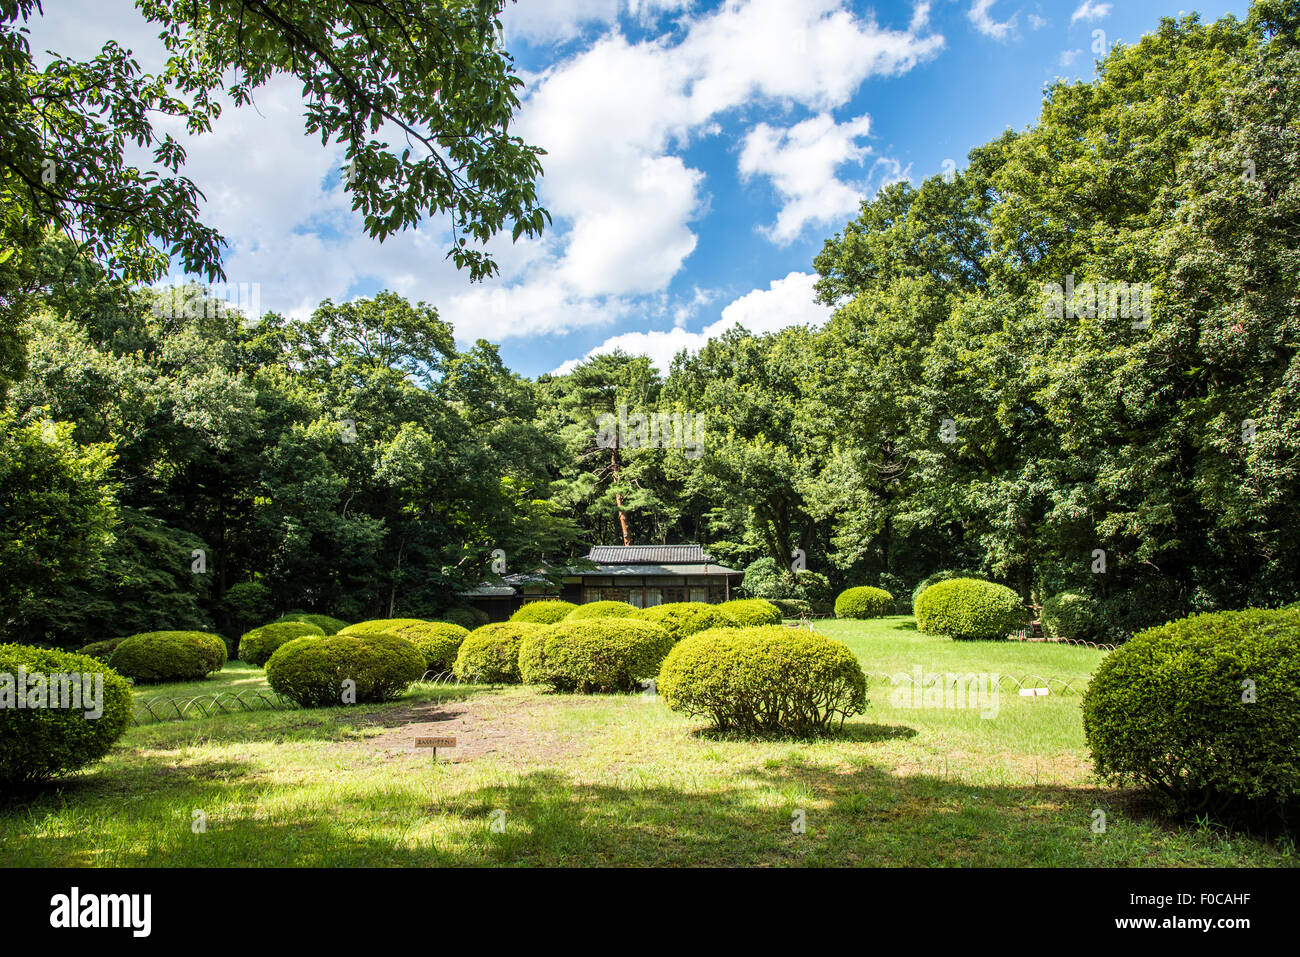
(234, 677)
(619, 780)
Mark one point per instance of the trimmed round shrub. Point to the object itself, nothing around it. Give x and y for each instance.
(943, 576)
(532, 656)
(969, 608)
(256, 646)
(312, 670)
(863, 602)
(546, 612)
(490, 655)
(156, 656)
(438, 641)
(793, 607)
(1071, 614)
(328, 625)
(1204, 710)
(752, 611)
(101, 649)
(603, 609)
(682, 618)
(764, 679)
(42, 742)
(601, 654)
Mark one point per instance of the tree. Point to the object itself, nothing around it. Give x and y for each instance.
(434, 73)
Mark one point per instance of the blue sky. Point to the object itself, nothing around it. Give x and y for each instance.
(699, 155)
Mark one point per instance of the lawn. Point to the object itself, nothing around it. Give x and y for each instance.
(581, 781)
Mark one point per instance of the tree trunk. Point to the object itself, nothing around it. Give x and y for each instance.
(618, 496)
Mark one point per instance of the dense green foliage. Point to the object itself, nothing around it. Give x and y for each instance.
(43, 741)
(1071, 614)
(438, 641)
(322, 671)
(546, 612)
(955, 413)
(490, 655)
(603, 609)
(156, 656)
(682, 618)
(969, 608)
(256, 646)
(599, 655)
(864, 602)
(1206, 710)
(764, 680)
(764, 578)
(752, 611)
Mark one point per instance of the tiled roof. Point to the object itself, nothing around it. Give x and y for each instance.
(681, 570)
(653, 554)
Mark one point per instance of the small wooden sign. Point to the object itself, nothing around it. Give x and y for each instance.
(435, 743)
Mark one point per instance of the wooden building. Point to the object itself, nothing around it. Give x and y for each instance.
(642, 575)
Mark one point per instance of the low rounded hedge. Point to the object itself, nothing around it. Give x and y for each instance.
(490, 655)
(256, 646)
(330, 626)
(863, 602)
(764, 679)
(42, 742)
(102, 650)
(969, 608)
(313, 670)
(599, 655)
(752, 611)
(682, 618)
(156, 656)
(546, 612)
(532, 656)
(1071, 614)
(438, 641)
(941, 576)
(1205, 710)
(603, 609)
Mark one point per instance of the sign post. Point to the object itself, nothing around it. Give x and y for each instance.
(435, 743)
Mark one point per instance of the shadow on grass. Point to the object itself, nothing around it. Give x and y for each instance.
(854, 814)
(855, 731)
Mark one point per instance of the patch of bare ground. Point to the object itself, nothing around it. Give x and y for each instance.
(512, 728)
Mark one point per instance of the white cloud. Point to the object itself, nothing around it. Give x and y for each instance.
(1036, 22)
(614, 117)
(559, 20)
(786, 302)
(1068, 57)
(802, 162)
(984, 22)
(1088, 10)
